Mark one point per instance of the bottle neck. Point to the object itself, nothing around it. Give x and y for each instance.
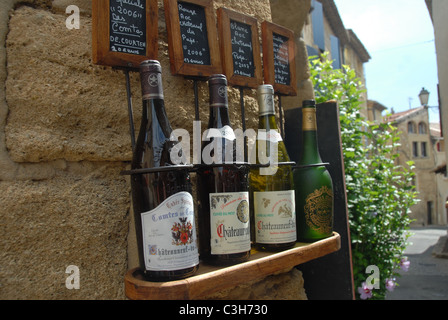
(219, 117)
(154, 112)
(266, 113)
(267, 122)
(310, 147)
(219, 107)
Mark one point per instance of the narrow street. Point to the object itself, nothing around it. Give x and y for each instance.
(427, 277)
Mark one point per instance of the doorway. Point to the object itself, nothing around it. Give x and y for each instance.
(430, 206)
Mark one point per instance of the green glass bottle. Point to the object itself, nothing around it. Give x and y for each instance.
(313, 184)
(272, 191)
(222, 187)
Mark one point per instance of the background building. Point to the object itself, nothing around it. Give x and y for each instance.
(422, 144)
(438, 9)
(324, 31)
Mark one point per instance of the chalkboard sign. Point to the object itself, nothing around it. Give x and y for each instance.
(192, 37)
(124, 32)
(279, 58)
(193, 28)
(240, 48)
(127, 27)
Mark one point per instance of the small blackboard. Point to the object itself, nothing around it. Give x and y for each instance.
(279, 58)
(282, 73)
(124, 32)
(193, 30)
(127, 32)
(240, 48)
(192, 37)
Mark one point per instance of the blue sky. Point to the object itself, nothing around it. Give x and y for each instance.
(399, 36)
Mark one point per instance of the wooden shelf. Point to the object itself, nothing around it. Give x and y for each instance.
(211, 279)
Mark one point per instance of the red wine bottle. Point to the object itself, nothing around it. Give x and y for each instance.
(223, 197)
(162, 200)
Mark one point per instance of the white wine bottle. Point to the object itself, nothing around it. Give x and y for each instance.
(272, 192)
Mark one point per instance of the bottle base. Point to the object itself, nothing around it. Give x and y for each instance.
(310, 240)
(226, 259)
(165, 276)
(274, 247)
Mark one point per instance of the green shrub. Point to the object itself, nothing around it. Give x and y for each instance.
(379, 192)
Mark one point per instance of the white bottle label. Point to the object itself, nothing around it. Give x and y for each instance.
(229, 222)
(271, 135)
(275, 217)
(169, 235)
(225, 132)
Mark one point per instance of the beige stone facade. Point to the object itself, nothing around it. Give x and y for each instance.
(421, 145)
(64, 139)
(330, 35)
(438, 9)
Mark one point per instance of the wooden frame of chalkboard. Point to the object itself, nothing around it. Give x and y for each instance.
(240, 48)
(279, 58)
(193, 50)
(124, 34)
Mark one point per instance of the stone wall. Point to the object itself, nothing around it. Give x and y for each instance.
(64, 139)
(425, 178)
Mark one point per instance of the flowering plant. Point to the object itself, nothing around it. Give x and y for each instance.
(379, 192)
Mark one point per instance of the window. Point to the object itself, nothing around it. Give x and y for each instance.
(423, 146)
(422, 128)
(411, 127)
(317, 16)
(415, 149)
(335, 52)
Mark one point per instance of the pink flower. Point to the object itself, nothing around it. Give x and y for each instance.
(404, 264)
(365, 292)
(390, 284)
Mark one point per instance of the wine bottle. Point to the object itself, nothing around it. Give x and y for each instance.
(313, 184)
(223, 197)
(272, 192)
(162, 200)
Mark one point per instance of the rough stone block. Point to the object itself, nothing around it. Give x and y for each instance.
(61, 106)
(80, 217)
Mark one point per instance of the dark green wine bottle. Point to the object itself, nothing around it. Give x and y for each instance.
(272, 193)
(313, 184)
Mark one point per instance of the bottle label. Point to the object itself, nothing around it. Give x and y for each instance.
(275, 217)
(225, 132)
(169, 235)
(309, 119)
(152, 86)
(319, 210)
(271, 135)
(229, 222)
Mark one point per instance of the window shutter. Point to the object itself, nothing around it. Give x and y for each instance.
(317, 17)
(335, 52)
(312, 51)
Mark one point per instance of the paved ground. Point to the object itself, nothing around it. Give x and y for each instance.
(427, 278)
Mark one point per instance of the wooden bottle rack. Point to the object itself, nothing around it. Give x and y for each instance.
(211, 279)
